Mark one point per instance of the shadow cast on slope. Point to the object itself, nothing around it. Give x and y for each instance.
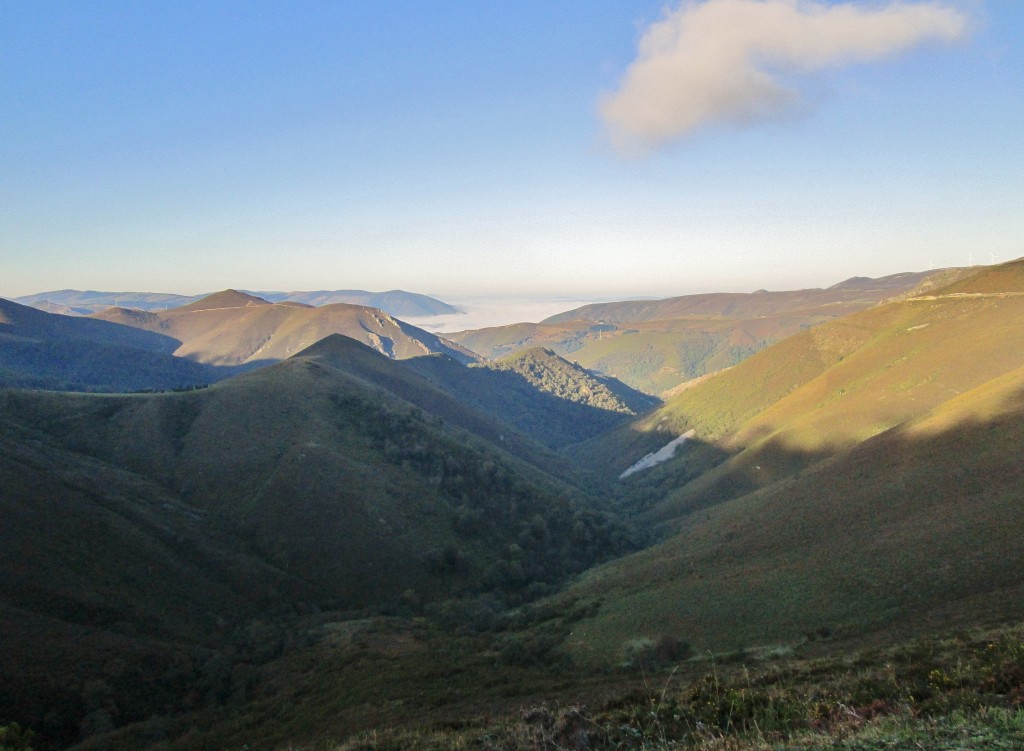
(907, 532)
(551, 420)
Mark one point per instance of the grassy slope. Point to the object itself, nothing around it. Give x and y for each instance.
(110, 581)
(913, 527)
(884, 448)
(654, 345)
(335, 479)
(847, 381)
(826, 388)
(346, 485)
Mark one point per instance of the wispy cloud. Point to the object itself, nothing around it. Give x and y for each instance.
(734, 61)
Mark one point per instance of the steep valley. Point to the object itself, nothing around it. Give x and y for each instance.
(343, 549)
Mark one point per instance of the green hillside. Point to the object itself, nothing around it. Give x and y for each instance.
(656, 345)
(555, 375)
(345, 550)
(829, 387)
(913, 529)
(140, 528)
(858, 476)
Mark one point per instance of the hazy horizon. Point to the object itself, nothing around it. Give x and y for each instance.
(478, 311)
(603, 149)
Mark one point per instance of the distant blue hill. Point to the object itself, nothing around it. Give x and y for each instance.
(85, 302)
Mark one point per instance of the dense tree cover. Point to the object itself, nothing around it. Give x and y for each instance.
(514, 529)
(539, 394)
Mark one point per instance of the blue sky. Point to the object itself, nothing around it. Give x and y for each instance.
(466, 148)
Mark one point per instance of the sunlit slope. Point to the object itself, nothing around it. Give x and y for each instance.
(652, 356)
(655, 345)
(232, 328)
(839, 384)
(914, 528)
(820, 391)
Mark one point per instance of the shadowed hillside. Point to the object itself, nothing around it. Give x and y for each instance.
(139, 527)
(50, 351)
(539, 394)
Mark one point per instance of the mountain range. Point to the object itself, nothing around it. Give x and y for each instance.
(235, 328)
(85, 302)
(145, 527)
(124, 349)
(356, 527)
(656, 345)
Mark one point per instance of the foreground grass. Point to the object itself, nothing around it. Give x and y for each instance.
(961, 692)
(396, 685)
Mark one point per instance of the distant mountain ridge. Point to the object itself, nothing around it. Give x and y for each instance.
(656, 345)
(850, 293)
(85, 302)
(232, 328)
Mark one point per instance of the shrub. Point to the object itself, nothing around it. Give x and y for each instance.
(638, 654)
(15, 738)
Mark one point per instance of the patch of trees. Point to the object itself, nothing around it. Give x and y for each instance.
(515, 532)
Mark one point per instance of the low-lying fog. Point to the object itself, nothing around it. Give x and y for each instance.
(481, 312)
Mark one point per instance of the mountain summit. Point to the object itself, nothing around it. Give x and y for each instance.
(229, 298)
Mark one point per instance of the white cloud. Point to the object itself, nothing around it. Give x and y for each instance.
(725, 60)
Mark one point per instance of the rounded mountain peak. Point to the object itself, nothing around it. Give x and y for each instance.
(229, 298)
